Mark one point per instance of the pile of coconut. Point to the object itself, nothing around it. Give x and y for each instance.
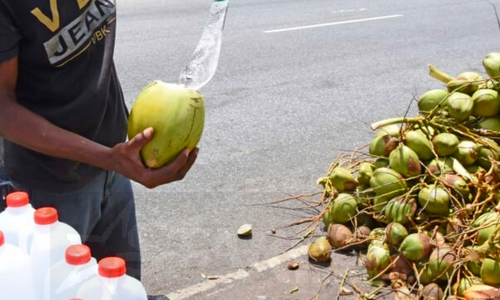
(423, 196)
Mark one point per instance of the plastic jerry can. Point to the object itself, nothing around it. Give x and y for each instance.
(51, 238)
(17, 222)
(65, 277)
(15, 277)
(112, 283)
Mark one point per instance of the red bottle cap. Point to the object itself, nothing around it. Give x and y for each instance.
(78, 255)
(46, 216)
(111, 267)
(2, 238)
(17, 199)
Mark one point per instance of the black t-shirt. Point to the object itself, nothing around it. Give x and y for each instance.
(67, 75)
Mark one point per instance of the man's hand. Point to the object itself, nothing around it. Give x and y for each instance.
(30, 130)
(126, 160)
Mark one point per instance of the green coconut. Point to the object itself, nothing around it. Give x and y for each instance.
(327, 218)
(400, 210)
(473, 168)
(467, 152)
(490, 271)
(382, 145)
(381, 162)
(474, 266)
(428, 131)
(378, 234)
(485, 156)
(466, 82)
(434, 199)
(343, 208)
(416, 246)
(392, 130)
(488, 222)
(395, 233)
(458, 185)
(177, 115)
(342, 179)
(429, 272)
(445, 144)
(431, 99)
(363, 197)
(365, 172)
(486, 103)
(460, 106)
(465, 283)
(490, 123)
(377, 259)
(387, 184)
(405, 161)
(418, 142)
(441, 260)
(491, 64)
(440, 166)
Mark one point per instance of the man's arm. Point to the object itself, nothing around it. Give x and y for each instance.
(32, 131)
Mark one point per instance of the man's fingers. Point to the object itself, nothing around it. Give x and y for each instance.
(141, 139)
(181, 165)
(189, 163)
(178, 163)
(174, 171)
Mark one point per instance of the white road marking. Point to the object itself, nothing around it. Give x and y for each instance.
(348, 10)
(334, 23)
(240, 274)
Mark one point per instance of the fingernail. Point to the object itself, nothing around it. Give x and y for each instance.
(148, 132)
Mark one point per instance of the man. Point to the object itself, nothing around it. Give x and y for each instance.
(63, 120)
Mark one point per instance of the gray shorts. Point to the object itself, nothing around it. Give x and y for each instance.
(103, 212)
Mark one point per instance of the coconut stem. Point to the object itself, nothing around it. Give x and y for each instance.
(391, 121)
(439, 75)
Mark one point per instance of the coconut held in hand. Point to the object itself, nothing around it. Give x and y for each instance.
(177, 115)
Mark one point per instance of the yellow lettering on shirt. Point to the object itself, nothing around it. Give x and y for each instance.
(82, 3)
(52, 24)
(100, 34)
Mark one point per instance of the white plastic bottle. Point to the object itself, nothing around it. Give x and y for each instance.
(51, 238)
(65, 277)
(15, 277)
(112, 283)
(17, 222)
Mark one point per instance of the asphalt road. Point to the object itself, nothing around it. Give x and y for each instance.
(286, 99)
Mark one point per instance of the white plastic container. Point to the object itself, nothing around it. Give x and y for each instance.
(17, 222)
(67, 276)
(15, 277)
(112, 283)
(51, 238)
